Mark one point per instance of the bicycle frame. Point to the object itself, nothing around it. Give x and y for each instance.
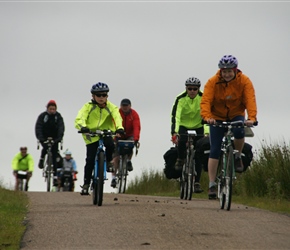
(226, 168)
(48, 166)
(99, 174)
(188, 171)
(100, 169)
(123, 158)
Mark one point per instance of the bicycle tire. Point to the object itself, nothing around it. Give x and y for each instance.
(20, 184)
(119, 174)
(100, 178)
(220, 181)
(229, 177)
(66, 185)
(183, 194)
(181, 188)
(190, 176)
(123, 172)
(48, 171)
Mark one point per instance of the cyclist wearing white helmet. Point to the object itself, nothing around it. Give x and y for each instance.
(98, 114)
(69, 168)
(185, 115)
(226, 97)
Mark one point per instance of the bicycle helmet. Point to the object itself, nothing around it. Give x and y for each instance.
(99, 87)
(67, 152)
(228, 62)
(193, 81)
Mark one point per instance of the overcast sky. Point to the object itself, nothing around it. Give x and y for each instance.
(144, 51)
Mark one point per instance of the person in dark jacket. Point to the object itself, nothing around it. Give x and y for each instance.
(49, 124)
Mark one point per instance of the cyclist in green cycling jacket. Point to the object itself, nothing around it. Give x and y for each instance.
(24, 162)
(185, 115)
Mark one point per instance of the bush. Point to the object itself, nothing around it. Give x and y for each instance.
(269, 174)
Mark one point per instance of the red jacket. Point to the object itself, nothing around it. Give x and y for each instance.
(131, 124)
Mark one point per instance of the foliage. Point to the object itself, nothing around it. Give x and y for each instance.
(264, 185)
(269, 174)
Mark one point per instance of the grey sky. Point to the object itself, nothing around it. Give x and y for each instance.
(143, 51)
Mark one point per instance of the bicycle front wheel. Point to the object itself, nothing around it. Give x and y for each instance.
(48, 172)
(183, 194)
(20, 185)
(98, 183)
(221, 182)
(123, 174)
(229, 178)
(66, 185)
(190, 177)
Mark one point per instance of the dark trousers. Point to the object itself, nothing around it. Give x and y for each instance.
(91, 156)
(181, 148)
(54, 151)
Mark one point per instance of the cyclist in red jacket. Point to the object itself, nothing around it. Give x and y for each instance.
(132, 127)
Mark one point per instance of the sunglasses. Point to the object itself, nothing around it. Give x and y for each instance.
(194, 89)
(101, 95)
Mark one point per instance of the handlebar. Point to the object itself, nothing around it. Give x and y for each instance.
(236, 124)
(98, 132)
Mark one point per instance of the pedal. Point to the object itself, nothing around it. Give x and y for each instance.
(84, 193)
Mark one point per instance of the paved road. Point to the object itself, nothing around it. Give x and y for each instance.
(71, 221)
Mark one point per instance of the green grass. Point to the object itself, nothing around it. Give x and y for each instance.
(265, 185)
(13, 209)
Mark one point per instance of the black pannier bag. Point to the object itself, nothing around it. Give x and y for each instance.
(247, 155)
(170, 158)
(125, 147)
(202, 152)
(203, 149)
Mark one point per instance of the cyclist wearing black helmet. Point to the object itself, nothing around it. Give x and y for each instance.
(98, 114)
(226, 97)
(185, 115)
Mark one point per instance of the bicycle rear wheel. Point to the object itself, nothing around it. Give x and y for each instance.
(98, 183)
(229, 178)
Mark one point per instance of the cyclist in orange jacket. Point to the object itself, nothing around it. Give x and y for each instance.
(226, 96)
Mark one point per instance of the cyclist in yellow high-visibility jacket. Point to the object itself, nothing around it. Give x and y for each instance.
(185, 115)
(98, 114)
(22, 161)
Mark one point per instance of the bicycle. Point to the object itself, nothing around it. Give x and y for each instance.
(188, 174)
(125, 148)
(100, 169)
(226, 168)
(47, 172)
(22, 183)
(65, 180)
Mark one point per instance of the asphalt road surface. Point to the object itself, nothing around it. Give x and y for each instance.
(65, 220)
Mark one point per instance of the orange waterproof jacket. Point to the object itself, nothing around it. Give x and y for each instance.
(223, 100)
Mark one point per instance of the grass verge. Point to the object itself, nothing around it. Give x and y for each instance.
(13, 209)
